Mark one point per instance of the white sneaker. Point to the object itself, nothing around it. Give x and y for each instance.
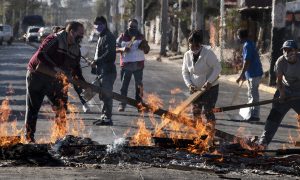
(86, 108)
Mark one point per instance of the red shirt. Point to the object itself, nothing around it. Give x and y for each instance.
(54, 52)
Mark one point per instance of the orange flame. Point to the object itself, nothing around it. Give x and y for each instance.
(9, 133)
(142, 136)
(66, 124)
(176, 91)
(183, 127)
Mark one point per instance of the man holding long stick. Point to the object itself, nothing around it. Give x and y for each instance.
(61, 53)
(288, 85)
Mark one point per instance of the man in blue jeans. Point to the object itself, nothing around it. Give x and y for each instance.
(131, 60)
(104, 61)
(252, 72)
(288, 85)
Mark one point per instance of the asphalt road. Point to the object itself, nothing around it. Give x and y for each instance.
(159, 78)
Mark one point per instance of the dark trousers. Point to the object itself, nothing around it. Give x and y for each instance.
(125, 79)
(79, 90)
(107, 83)
(37, 87)
(277, 113)
(206, 102)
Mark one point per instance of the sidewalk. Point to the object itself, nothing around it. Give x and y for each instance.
(154, 54)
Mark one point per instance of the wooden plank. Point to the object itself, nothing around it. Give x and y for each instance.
(179, 109)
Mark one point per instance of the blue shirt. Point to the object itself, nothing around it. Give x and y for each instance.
(250, 54)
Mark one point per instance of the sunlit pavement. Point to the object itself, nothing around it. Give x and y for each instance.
(159, 78)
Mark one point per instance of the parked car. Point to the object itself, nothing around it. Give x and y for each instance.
(6, 34)
(32, 33)
(43, 33)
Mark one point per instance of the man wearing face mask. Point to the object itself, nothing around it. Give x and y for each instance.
(59, 52)
(131, 60)
(252, 72)
(104, 62)
(288, 85)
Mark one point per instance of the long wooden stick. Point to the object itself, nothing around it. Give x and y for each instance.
(230, 108)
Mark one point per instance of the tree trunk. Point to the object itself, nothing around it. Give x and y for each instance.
(278, 24)
(138, 13)
(199, 15)
(164, 27)
(174, 43)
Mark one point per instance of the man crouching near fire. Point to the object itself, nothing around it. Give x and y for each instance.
(59, 52)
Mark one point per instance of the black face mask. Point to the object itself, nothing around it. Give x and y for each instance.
(133, 31)
(78, 39)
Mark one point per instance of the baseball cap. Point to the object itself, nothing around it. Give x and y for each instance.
(290, 44)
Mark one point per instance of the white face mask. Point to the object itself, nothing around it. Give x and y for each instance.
(291, 57)
(196, 51)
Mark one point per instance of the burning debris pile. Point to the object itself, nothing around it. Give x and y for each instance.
(74, 151)
(28, 155)
(83, 152)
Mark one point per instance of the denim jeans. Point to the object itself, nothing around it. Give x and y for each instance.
(277, 113)
(253, 95)
(126, 75)
(107, 82)
(79, 90)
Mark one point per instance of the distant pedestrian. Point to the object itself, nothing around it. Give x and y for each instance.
(288, 85)
(252, 72)
(201, 69)
(104, 62)
(131, 60)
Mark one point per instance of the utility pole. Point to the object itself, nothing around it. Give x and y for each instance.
(222, 24)
(277, 35)
(164, 27)
(179, 29)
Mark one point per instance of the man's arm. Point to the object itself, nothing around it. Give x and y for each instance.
(247, 61)
(244, 69)
(279, 85)
(213, 63)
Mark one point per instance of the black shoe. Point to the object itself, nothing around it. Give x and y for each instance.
(97, 121)
(253, 119)
(104, 122)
